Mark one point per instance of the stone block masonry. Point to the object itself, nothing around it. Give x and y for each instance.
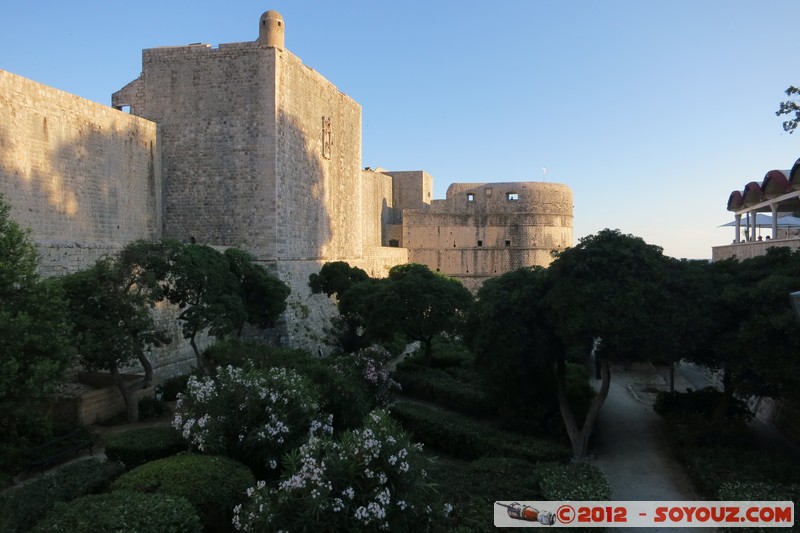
(74, 170)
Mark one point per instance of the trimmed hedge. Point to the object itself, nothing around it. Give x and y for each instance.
(122, 512)
(743, 491)
(139, 446)
(213, 484)
(712, 468)
(703, 402)
(472, 488)
(442, 387)
(22, 507)
(576, 481)
(463, 438)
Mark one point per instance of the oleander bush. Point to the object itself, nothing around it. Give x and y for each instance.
(22, 507)
(350, 385)
(463, 438)
(252, 415)
(372, 478)
(213, 484)
(138, 446)
(122, 512)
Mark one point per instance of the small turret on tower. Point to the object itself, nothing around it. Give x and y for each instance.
(271, 30)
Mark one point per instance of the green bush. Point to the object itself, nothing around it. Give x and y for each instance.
(441, 387)
(447, 353)
(139, 446)
(370, 479)
(463, 438)
(687, 432)
(343, 381)
(122, 512)
(472, 488)
(576, 481)
(213, 484)
(150, 408)
(25, 505)
(171, 387)
(701, 402)
(711, 468)
(759, 491)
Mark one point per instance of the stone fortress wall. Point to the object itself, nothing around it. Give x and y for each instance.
(82, 176)
(243, 145)
(483, 230)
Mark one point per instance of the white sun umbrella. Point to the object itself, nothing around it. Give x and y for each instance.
(762, 221)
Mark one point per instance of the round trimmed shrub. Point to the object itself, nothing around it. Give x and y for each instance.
(213, 484)
(23, 506)
(122, 511)
(138, 446)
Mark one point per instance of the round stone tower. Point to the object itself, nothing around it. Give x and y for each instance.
(271, 30)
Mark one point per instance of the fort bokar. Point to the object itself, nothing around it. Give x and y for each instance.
(243, 145)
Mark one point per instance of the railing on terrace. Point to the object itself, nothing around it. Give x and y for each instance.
(746, 250)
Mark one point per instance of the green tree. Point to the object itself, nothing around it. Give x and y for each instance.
(111, 308)
(263, 295)
(416, 302)
(514, 341)
(754, 337)
(335, 278)
(219, 293)
(609, 286)
(792, 108)
(34, 322)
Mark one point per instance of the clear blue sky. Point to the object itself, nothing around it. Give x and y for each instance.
(651, 111)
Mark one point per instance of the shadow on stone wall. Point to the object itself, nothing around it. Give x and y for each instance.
(80, 182)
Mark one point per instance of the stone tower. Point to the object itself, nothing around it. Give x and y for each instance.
(271, 30)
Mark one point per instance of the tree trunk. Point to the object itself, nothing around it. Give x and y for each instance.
(128, 390)
(428, 343)
(148, 370)
(200, 367)
(724, 406)
(579, 437)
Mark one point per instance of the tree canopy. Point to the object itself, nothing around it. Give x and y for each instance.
(412, 300)
(791, 108)
(34, 321)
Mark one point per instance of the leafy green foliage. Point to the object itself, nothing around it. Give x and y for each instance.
(350, 385)
(263, 295)
(24, 506)
(34, 323)
(171, 387)
(336, 278)
(221, 292)
(123, 512)
(472, 488)
(461, 437)
(138, 446)
(790, 107)
(700, 402)
(579, 481)
(608, 286)
(150, 408)
(252, 415)
(372, 478)
(213, 484)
